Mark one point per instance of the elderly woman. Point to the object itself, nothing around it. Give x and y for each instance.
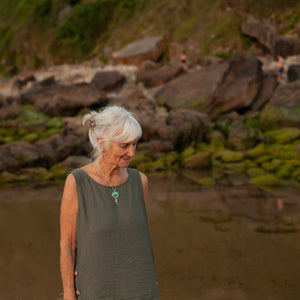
(105, 245)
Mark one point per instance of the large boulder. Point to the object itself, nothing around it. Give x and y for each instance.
(16, 155)
(239, 87)
(267, 88)
(268, 37)
(283, 109)
(108, 80)
(192, 89)
(265, 34)
(66, 100)
(149, 47)
(177, 127)
(159, 76)
(242, 137)
(293, 73)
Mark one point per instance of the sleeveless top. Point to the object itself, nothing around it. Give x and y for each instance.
(114, 259)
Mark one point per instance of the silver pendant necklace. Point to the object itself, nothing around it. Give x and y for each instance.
(115, 194)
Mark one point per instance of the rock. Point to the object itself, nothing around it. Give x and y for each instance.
(216, 138)
(7, 101)
(159, 76)
(158, 146)
(239, 87)
(267, 88)
(148, 65)
(73, 126)
(187, 152)
(167, 162)
(48, 81)
(179, 127)
(199, 160)
(64, 100)
(283, 135)
(266, 180)
(269, 38)
(258, 151)
(283, 108)
(22, 82)
(74, 161)
(108, 81)
(242, 137)
(149, 47)
(16, 155)
(229, 156)
(293, 73)
(10, 112)
(38, 174)
(286, 46)
(265, 34)
(192, 89)
(296, 175)
(272, 165)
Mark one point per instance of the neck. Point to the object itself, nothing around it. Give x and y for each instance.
(108, 170)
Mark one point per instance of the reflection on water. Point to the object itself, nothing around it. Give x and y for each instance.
(209, 243)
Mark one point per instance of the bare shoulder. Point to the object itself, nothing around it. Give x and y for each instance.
(145, 185)
(144, 178)
(70, 190)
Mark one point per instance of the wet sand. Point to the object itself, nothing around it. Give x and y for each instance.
(209, 243)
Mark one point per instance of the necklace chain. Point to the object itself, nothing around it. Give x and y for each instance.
(115, 194)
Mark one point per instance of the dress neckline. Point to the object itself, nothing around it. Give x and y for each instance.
(106, 186)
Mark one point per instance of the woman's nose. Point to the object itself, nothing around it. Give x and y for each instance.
(131, 151)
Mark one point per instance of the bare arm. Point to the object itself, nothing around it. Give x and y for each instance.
(68, 213)
(145, 185)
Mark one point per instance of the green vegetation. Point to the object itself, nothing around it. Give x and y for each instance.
(29, 125)
(41, 32)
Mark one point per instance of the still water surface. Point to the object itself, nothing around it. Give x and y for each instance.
(209, 243)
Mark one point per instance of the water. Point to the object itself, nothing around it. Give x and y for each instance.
(209, 243)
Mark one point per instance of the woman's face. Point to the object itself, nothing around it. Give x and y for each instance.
(119, 154)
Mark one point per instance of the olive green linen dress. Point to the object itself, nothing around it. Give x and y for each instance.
(114, 259)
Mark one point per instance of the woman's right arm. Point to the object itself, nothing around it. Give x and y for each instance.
(68, 214)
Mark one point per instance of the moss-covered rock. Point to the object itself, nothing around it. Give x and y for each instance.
(283, 135)
(241, 136)
(266, 180)
(235, 167)
(7, 177)
(263, 159)
(216, 138)
(189, 151)
(37, 174)
(296, 175)
(229, 156)
(59, 172)
(254, 172)
(272, 165)
(257, 151)
(166, 162)
(284, 108)
(197, 161)
(284, 152)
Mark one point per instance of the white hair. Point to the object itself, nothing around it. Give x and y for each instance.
(113, 123)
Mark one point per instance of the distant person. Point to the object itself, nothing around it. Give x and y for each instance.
(183, 60)
(106, 251)
(280, 70)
